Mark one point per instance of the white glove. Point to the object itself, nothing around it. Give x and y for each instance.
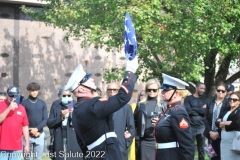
(132, 65)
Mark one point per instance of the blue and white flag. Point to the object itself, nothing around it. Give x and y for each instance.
(130, 40)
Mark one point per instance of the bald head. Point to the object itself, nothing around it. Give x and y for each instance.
(112, 89)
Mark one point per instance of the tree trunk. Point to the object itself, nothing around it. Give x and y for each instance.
(209, 61)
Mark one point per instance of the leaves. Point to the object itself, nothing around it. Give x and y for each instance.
(176, 37)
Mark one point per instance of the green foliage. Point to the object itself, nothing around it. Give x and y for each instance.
(175, 37)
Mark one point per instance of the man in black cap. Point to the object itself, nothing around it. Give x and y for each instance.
(14, 124)
(92, 116)
(230, 89)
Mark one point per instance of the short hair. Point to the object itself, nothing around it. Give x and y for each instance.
(199, 83)
(98, 90)
(33, 86)
(221, 84)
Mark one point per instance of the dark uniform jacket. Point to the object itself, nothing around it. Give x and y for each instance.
(174, 126)
(92, 118)
(54, 123)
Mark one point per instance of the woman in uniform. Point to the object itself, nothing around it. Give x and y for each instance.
(172, 130)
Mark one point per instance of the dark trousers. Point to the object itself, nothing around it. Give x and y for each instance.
(197, 133)
(216, 147)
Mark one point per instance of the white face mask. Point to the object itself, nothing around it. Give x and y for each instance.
(66, 99)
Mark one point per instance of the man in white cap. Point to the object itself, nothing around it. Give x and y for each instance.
(172, 130)
(92, 116)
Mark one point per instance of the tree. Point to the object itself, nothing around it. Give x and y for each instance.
(189, 39)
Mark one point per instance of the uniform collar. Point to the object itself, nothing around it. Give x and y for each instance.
(172, 104)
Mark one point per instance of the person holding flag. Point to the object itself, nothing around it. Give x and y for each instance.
(92, 116)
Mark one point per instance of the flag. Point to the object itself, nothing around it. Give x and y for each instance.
(130, 41)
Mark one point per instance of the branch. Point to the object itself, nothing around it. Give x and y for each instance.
(233, 78)
(223, 69)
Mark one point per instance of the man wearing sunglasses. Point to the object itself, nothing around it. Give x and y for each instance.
(37, 116)
(13, 124)
(92, 118)
(195, 106)
(123, 122)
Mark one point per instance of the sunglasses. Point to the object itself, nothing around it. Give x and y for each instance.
(233, 99)
(88, 87)
(150, 90)
(219, 90)
(112, 89)
(66, 95)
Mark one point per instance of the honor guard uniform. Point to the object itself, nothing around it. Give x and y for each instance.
(172, 131)
(92, 116)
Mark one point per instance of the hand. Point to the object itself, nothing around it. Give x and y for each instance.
(227, 123)
(154, 121)
(127, 134)
(204, 106)
(26, 148)
(70, 110)
(37, 134)
(13, 105)
(64, 113)
(33, 131)
(214, 135)
(223, 124)
(132, 65)
(219, 119)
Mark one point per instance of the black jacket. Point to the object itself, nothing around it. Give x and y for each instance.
(54, 123)
(209, 113)
(234, 117)
(195, 110)
(141, 116)
(123, 120)
(92, 118)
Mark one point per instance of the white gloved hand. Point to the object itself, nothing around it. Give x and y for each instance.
(132, 65)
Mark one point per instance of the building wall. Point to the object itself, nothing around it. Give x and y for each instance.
(38, 53)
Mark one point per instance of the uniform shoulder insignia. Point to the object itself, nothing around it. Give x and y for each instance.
(103, 99)
(183, 124)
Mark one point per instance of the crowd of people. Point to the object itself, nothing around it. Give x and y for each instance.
(166, 122)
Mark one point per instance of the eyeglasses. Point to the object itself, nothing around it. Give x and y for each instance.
(88, 87)
(150, 90)
(66, 95)
(233, 99)
(112, 89)
(219, 90)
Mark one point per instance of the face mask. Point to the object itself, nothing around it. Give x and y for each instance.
(65, 100)
(70, 99)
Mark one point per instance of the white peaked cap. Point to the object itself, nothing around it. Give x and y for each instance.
(75, 79)
(172, 81)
